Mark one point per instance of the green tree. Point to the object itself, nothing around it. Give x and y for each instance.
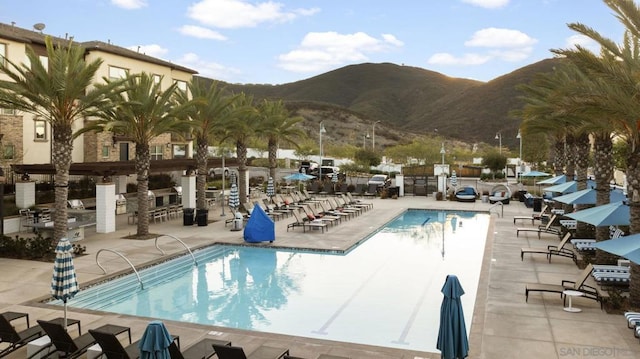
(210, 107)
(142, 112)
(495, 161)
(278, 127)
(61, 94)
(367, 158)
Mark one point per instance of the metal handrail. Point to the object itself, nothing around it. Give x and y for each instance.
(123, 257)
(177, 239)
(501, 207)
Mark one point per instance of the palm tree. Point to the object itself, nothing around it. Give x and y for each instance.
(617, 68)
(277, 126)
(142, 112)
(241, 128)
(210, 109)
(60, 94)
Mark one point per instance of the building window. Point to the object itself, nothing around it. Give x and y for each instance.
(116, 73)
(7, 111)
(3, 52)
(40, 130)
(8, 152)
(45, 62)
(156, 79)
(156, 152)
(105, 151)
(182, 85)
(179, 151)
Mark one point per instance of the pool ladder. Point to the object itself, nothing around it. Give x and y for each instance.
(181, 242)
(498, 204)
(123, 257)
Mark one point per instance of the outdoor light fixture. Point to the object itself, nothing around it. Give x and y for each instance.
(442, 152)
(373, 136)
(499, 137)
(322, 130)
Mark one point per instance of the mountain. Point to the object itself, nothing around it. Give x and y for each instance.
(406, 100)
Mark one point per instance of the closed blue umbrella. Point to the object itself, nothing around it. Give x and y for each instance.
(612, 214)
(452, 335)
(155, 341)
(64, 284)
(454, 179)
(627, 247)
(234, 197)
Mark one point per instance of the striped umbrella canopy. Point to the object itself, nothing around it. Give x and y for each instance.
(234, 197)
(454, 179)
(64, 284)
(271, 191)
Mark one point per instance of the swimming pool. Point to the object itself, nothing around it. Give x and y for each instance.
(384, 292)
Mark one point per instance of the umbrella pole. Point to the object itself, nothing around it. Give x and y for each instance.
(65, 315)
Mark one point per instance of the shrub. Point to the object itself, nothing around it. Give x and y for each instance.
(37, 248)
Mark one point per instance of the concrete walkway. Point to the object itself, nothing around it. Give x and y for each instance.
(504, 326)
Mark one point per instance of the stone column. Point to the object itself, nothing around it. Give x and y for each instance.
(189, 191)
(400, 184)
(105, 207)
(25, 194)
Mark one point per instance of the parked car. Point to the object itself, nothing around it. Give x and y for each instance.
(218, 171)
(307, 167)
(328, 171)
(379, 180)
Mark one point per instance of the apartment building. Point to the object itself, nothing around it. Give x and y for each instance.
(26, 139)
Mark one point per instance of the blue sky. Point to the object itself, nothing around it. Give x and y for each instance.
(282, 41)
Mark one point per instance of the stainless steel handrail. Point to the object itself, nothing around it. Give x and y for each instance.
(123, 257)
(179, 240)
(501, 207)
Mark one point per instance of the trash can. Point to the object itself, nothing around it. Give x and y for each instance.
(393, 191)
(237, 222)
(202, 217)
(521, 196)
(187, 218)
(537, 204)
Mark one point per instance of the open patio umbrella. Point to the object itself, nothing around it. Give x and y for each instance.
(567, 187)
(588, 196)
(554, 180)
(234, 197)
(297, 176)
(271, 191)
(535, 174)
(627, 247)
(64, 284)
(155, 341)
(612, 214)
(452, 335)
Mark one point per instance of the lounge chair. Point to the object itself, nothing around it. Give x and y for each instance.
(262, 352)
(327, 218)
(578, 285)
(65, 346)
(466, 194)
(15, 339)
(548, 228)
(551, 250)
(357, 201)
(349, 203)
(112, 348)
(612, 279)
(371, 191)
(333, 202)
(586, 244)
(633, 319)
(535, 216)
(200, 350)
(335, 212)
(300, 222)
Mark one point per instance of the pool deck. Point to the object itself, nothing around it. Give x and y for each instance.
(504, 326)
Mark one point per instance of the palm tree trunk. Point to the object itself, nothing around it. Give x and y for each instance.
(201, 179)
(241, 151)
(61, 159)
(603, 171)
(559, 158)
(273, 158)
(581, 148)
(143, 163)
(633, 188)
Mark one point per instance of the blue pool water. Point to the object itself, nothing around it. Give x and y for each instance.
(384, 292)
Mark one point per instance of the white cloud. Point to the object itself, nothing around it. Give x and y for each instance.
(231, 14)
(151, 50)
(201, 33)
(323, 50)
(208, 68)
(503, 38)
(129, 4)
(467, 59)
(583, 41)
(489, 4)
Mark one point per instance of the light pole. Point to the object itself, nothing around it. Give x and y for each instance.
(442, 151)
(519, 136)
(364, 140)
(222, 204)
(373, 136)
(499, 137)
(322, 130)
